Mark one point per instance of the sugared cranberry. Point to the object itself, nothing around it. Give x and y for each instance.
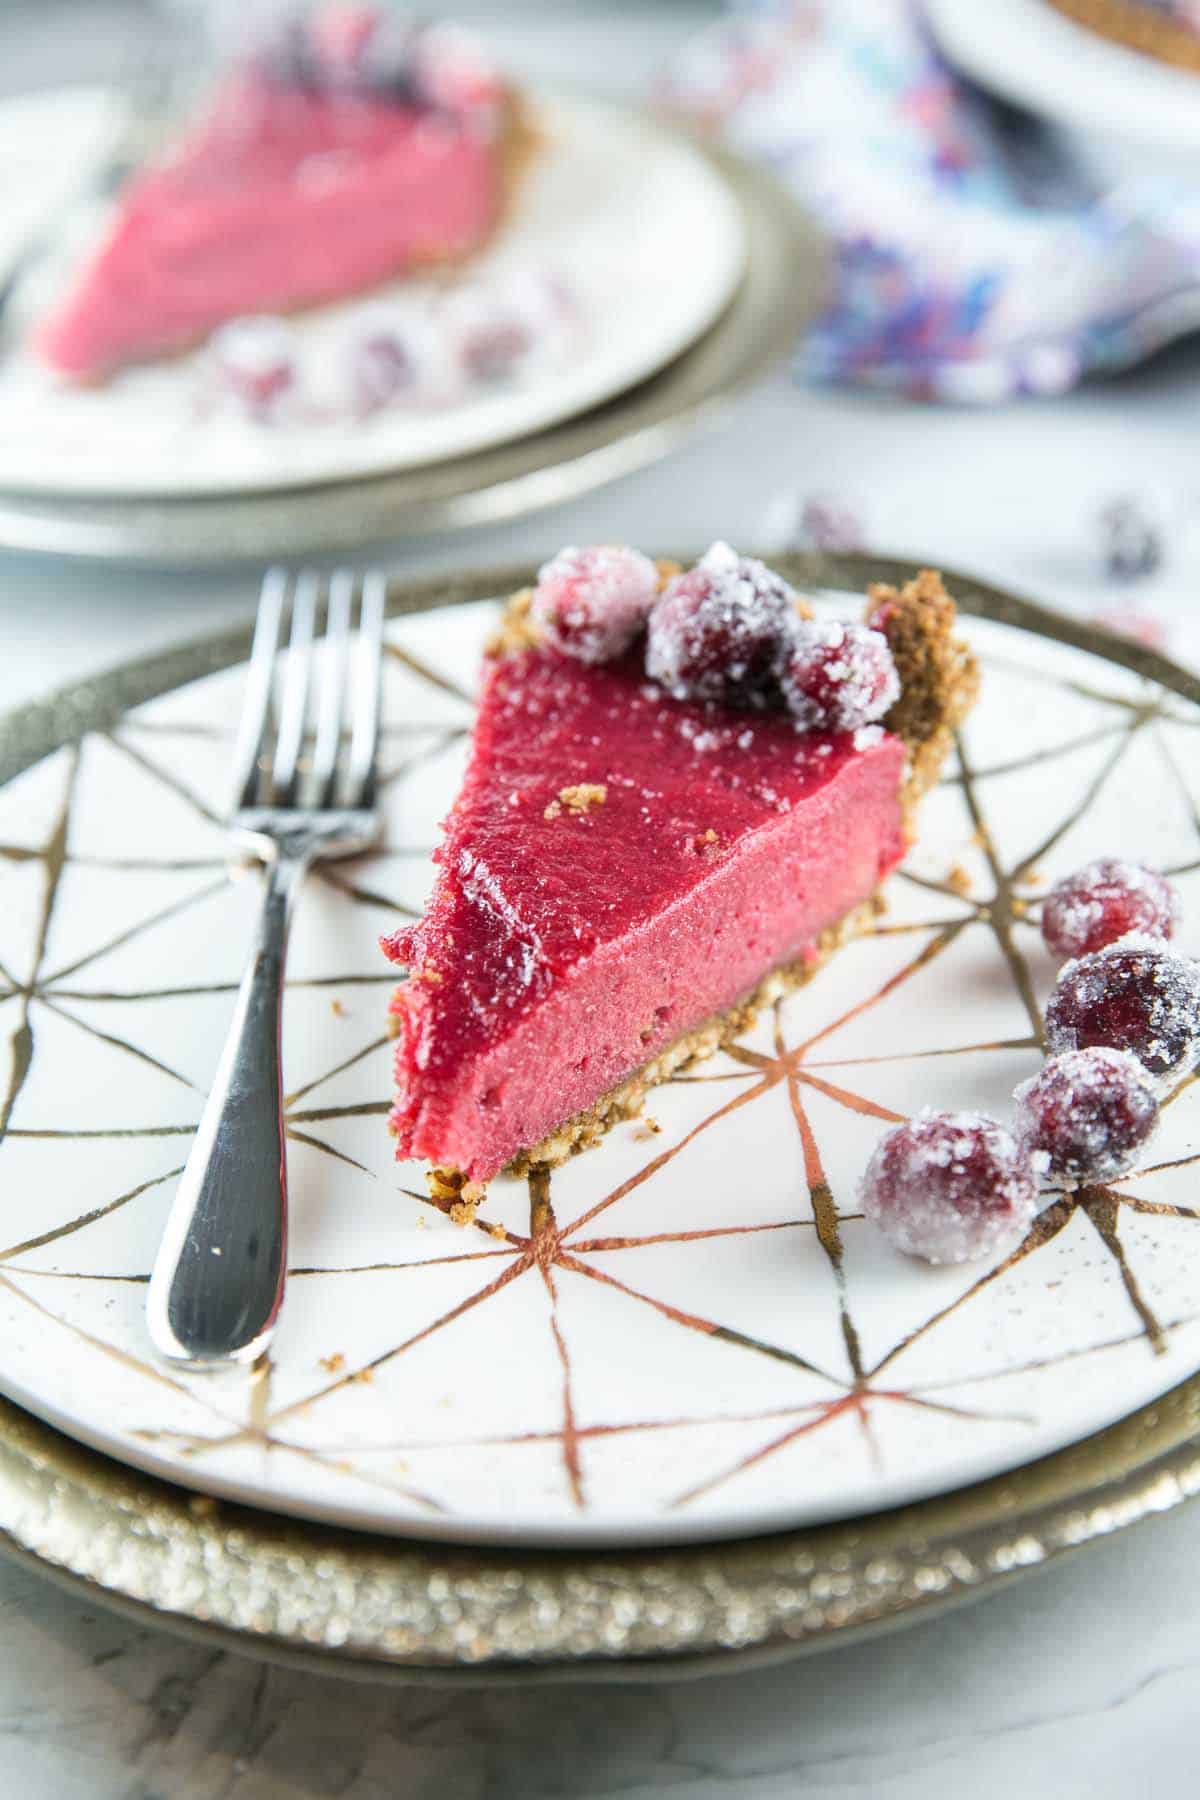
(1105, 901)
(493, 345)
(1132, 540)
(493, 325)
(543, 298)
(827, 523)
(389, 68)
(721, 630)
(346, 50)
(1136, 995)
(340, 36)
(454, 72)
(592, 603)
(255, 360)
(949, 1186)
(838, 677)
(286, 55)
(382, 368)
(1089, 1112)
(489, 329)
(388, 352)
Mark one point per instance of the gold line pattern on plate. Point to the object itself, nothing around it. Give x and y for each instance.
(560, 1254)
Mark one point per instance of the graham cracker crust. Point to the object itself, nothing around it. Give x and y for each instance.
(939, 677)
(522, 140)
(939, 680)
(1137, 28)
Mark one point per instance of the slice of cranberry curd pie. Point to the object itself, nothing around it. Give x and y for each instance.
(683, 794)
(346, 145)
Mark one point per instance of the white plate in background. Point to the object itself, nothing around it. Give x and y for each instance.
(643, 228)
(1038, 58)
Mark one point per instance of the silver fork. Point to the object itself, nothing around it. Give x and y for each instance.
(218, 1279)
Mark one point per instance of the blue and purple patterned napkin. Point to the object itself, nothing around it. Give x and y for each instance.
(975, 256)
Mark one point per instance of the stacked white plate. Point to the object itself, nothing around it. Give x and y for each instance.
(685, 274)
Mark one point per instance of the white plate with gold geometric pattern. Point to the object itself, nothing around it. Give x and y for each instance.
(691, 1333)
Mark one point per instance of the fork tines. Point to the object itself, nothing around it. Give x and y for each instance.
(310, 720)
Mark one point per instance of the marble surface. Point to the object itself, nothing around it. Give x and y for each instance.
(1078, 1681)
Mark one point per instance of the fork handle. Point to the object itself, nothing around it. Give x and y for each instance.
(218, 1278)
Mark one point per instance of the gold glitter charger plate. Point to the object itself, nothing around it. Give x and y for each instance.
(691, 1336)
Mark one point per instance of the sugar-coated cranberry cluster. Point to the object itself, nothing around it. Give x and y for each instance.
(1124, 1016)
(367, 52)
(418, 351)
(729, 631)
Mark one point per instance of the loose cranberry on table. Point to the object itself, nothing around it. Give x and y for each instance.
(949, 1186)
(1132, 539)
(827, 523)
(1105, 901)
(592, 603)
(1136, 995)
(1089, 1112)
(721, 630)
(838, 677)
